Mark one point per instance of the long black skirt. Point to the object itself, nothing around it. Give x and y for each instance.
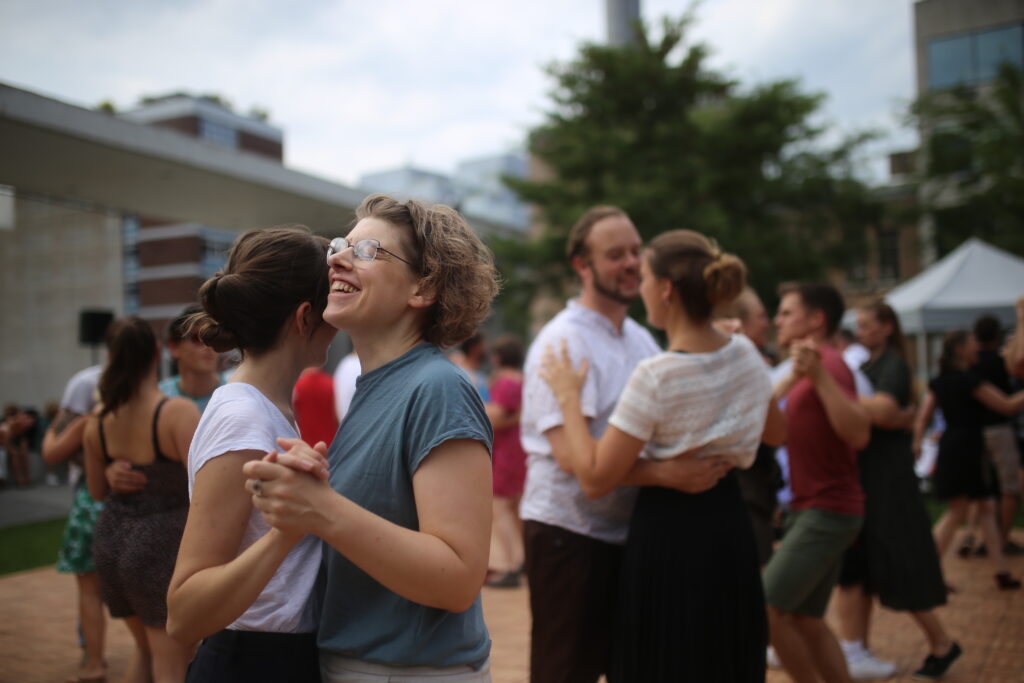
(901, 562)
(691, 605)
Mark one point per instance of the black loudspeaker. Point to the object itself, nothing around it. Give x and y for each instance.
(92, 326)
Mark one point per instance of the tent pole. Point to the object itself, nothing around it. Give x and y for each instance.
(922, 357)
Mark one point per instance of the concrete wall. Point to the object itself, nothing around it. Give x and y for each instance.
(55, 260)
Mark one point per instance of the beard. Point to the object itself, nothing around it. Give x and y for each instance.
(610, 289)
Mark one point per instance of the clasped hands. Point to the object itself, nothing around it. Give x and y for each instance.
(806, 359)
(287, 483)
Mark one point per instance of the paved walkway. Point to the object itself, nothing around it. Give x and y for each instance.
(38, 642)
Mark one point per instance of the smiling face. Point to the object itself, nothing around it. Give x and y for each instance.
(370, 293)
(611, 268)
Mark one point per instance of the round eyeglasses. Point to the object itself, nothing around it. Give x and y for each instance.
(364, 250)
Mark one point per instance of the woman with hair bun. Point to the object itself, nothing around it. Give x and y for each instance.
(241, 586)
(406, 514)
(137, 534)
(691, 606)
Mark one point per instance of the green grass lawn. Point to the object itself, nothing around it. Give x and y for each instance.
(30, 546)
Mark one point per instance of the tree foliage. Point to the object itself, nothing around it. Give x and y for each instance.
(973, 178)
(651, 128)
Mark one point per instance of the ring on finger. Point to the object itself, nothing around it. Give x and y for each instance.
(257, 487)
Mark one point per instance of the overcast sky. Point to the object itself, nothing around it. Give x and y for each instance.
(360, 86)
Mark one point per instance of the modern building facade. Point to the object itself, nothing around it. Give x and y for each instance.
(128, 214)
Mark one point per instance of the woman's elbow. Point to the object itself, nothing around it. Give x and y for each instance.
(594, 490)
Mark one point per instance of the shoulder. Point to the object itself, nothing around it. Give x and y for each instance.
(180, 409)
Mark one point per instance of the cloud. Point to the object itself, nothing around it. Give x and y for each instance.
(361, 86)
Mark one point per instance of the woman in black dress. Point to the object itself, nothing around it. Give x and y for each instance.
(962, 473)
(137, 534)
(894, 557)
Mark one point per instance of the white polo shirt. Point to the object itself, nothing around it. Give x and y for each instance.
(551, 495)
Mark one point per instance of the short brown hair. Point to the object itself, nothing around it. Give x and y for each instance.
(269, 274)
(451, 260)
(819, 296)
(701, 274)
(576, 245)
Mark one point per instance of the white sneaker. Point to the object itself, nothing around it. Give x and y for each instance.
(863, 666)
(772, 658)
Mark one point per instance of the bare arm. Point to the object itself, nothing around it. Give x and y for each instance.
(776, 431)
(992, 398)
(63, 438)
(885, 412)
(94, 461)
(924, 418)
(682, 472)
(848, 417)
(500, 418)
(441, 565)
(212, 583)
(1013, 353)
(783, 386)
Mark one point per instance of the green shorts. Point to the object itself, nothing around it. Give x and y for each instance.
(801, 574)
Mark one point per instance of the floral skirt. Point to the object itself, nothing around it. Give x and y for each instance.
(75, 555)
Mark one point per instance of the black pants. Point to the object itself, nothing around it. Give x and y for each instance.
(574, 583)
(243, 656)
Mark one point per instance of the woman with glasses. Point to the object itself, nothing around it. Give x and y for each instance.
(406, 513)
(241, 586)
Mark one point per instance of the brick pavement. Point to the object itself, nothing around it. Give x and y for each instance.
(38, 642)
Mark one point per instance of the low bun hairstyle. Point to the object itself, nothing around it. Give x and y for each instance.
(701, 274)
(269, 274)
(131, 353)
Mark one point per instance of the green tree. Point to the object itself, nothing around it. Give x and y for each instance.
(650, 128)
(973, 177)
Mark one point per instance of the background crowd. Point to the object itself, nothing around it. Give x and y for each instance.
(684, 513)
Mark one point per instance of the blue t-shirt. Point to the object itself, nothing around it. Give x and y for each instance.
(400, 412)
(171, 387)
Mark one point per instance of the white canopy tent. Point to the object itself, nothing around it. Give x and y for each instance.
(973, 279)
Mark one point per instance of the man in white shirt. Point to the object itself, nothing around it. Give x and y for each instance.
(573, 543)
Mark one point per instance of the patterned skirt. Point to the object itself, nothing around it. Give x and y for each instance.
(75, 555)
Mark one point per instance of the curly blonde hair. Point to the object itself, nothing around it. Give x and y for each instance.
(451, 261)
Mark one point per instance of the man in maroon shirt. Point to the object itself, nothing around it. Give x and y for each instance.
(826, 428)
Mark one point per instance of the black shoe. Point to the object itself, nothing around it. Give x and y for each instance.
(1007, 582)
(936, 667)
(504, 580)
(1011, 549)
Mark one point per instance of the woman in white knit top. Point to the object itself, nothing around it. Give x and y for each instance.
(691, 605)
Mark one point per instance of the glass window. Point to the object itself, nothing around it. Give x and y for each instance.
(949, 62)
(219, 133)
(993, 48)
